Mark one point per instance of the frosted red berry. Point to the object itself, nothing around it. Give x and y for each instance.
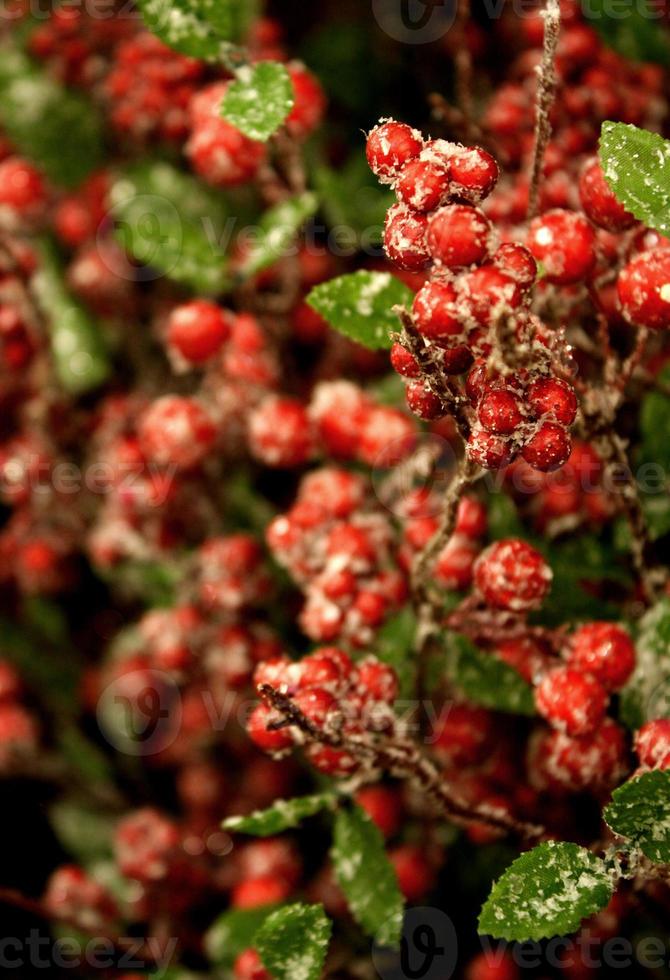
(489, 450)
(599, 201)
(458, 236)
(404, 363)
(262, 735)
(499, 411)
(249, 966)
(604, 650)
(176, 431)
(197, 330)
(423, 184)
(571, 700)
(516, 261)
(652, 743)
(473, 172)
(553, 397)
(548, 448)
(423, 402)
(564, 242)
(405, 238)
(391, 145)
(512, 575)
(435, 311)
(643, 288)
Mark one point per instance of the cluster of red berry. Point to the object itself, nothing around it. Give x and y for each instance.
(477, 292)
(338, 545)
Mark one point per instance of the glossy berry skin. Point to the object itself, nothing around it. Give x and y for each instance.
(197, 330)
(280, 432)
(145, 842)
(422, 401)
(497, 965)
(176, 431)
(404, 363)
(458, 236)
(488, 293)
(643, 289)
(263, 890)
(423, 184)
(516, 261)
(405, 238)
(548, 448)
(382, 805)
(22, 189)
(389, 147)
(499, 411)
(435, 312)
(597, 761)
(309, 101)
(572, 701)
(599, 201)
(219, 152)
(604, 650)
(415, 873)
(489, 450)
(269, 741)
(564, 242)
(553, 397)
(652, 743)
(512, 575)
(474, 173)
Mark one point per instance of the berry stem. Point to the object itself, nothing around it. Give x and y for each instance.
(546, 93)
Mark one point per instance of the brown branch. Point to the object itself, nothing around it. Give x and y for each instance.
(546, 93)
(402, 758)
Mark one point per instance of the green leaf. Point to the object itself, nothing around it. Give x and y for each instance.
(636, 164)
(395, 647)
(282, 815)
(171, 223)
(546, 892)
(366, 876)
(259, 100)
(276, 232)
(640, 810)
(233, 932)
(636, 33)
(654, 444)
(59, 130)
(86, 834)
(486, 680)
(352, 199)
(199, 28)
(78, 350)
(647, 694)
(293, 942)
(360, 305)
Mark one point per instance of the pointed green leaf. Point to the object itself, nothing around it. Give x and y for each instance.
(58, 129)
(640, 810)
(282, 815)
(199, 28)
(395, 647)
(366, 876)
(233, 932)
(259, 100)
(546, 892)
(276, 232)
(488, 681)
(636, 164)
(293, 942)
(647, 694)
(172, 224)
(360, 305)
(635, 32)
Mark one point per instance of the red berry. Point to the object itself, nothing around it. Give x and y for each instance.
(10, 682)
(377, 681)
(309, 101)
(599, 201)
(488, 294)
(414, 871)
(512, 575)
(526, 656)
(572, 701)
(456, 360)
(595, 761)
(643, 288)
(144, 844)
(422, 401)
(404, 363)
(464, 734)
(551, 396)
(264, 890)
(316, 704)
(471, 518)
(517, 262)
(435, 311)
(652, 742)
(423, 184)
(604, 650)
(390, 146)
(197, 330)
(405, 238)
(332, 762)
(22, 189)
(176, 431)
(458, 236)
(218, 151)
(280, 432)
(382, 805)
(549, 448)
(453, 568)
(269, 741)
(249, 966)
(499, 411)
(473, 172)
(564, 242)
(489, 450)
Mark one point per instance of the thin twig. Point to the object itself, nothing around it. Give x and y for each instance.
(546, 93)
